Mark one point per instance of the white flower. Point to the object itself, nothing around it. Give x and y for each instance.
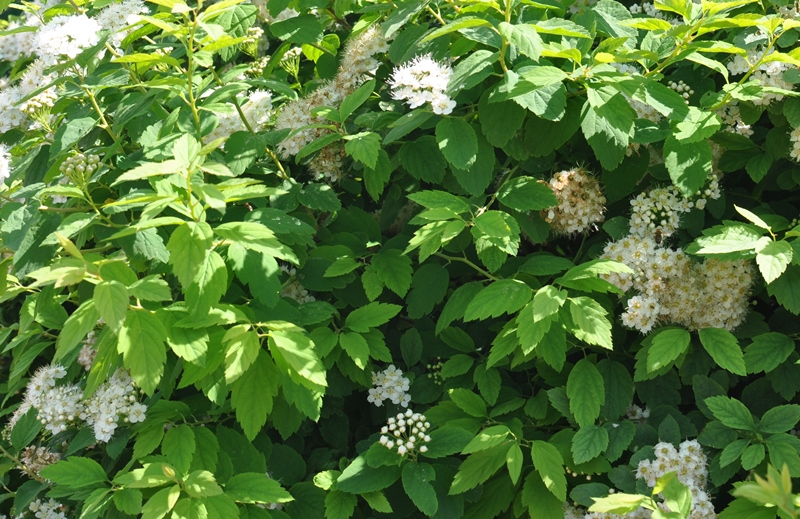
(114, 400)
(50, 509)
(118, 16)
(421, 81)
(66, 36)
(390, 384)
(581, 203)
(5, 163)
(257, 110)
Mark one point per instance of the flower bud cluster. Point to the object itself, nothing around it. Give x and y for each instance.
(390, 384)
(794, 137)
(50, 509)
(114, 400)
(690, 463)
(682, 88)
(581, 203)
(423, 80)
(646, 8)
(15, 111)
(88, 351)
(358, 60)
(84, 165)
(634, 412)
(406, 433)
(435, 371)
(35, 458)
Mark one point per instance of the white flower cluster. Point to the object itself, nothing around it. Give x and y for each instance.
(732, 119)
(294, 290)
(88, 351)
(19, 44)
(634, 412)
(115, 399)
(15, 112)
(661, 208)
(50, 509)
(421, 81)
(646, 8)
(357, 61)
(794, 137)
(673, 289)
(581, 203)
(66, 36)
(327, 165)
(768, 74)
(263, 12)
(690, 464)
(118, 16)
(35, 458)
(60, 406)
(645, 111)
(407, 432)
(390, 384)
(5, 163)
(257, 109)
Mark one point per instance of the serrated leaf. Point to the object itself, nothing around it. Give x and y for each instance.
(592, 325)
(458, 142)
(731, 412)
(142, 345)
(773, 258)
(503, 296)
(588, 443)
(724, 349)
(586, 392)
(550, 466)
(370, 316)
(767, 352)
(667, 345)
(393, 270)
(416, 478)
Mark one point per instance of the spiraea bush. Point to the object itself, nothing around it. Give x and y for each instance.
(308, 259)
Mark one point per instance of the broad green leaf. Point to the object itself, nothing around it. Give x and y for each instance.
(591, 323)
(588, 443)
(356, 347)
(667, 345)
(179, 446)
(305, 28)
(26, 429)
(547, 301)
(469, 402)
(586, 392)
(188, 246)
(457, 141)
(370, 316)
(359, 477)
(242, 347)
(514, 461)
(779, 419)
(618, 503)
(689, 164)
(364, 147)
(767, 352)
(731, 412)
(773, 258)
(608, 128)
(208, 285)
(527, 194)
(550, 466)
(75, 472)
(416, 478)
(394, 270)
(161, 502)
(298, 351)
(724, 349)
(76, 327)
(477, 468)
(201, 483)
(142, 345)
(250, 487)
(487, 438)
(730, 238)
(111, 300)
(786, 289)
(339, 505)
(253, 392)
(503, 296)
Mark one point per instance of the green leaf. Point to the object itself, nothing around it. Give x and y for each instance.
(527, 194)
(423, 160)
(111, 299)
(179, 446)
(500, 297)
(724, 349)
(500, 121)
(547, 301)
(487, 438)
(364, 147)
(356, 347)
(26, 429)
(514, 461)
(524, 37)
(689, 164)
(733, 452)
(447, 440)
(339, 505)
(767, 352)
(320, 197)
(208, 286)
(591, 323)
(188, 246)
(469, 402)
(458, 142)
(305, 28)
(142, 345)
(416, 478)
(586, 392)
(779, 419)
(773, 258)
(786, 289)
(722, 240)
(76, 327)
(588, 443)
(538, 500)
(472, 69)
(242, 346)
(731, 412)
(201, 483)
(477, 468)
(251, 487)
(667, 345)
(608, 129)
(151, 288)
(75, 472)
(351, 103)
(550, 466)
(463, 22)
(298, 351)
(618, 503)
(359, 477)
(411, 347)
(161, 502)
(128, 500)
(252, 394)
(440, 200)
(370, 316)
(394, 270)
